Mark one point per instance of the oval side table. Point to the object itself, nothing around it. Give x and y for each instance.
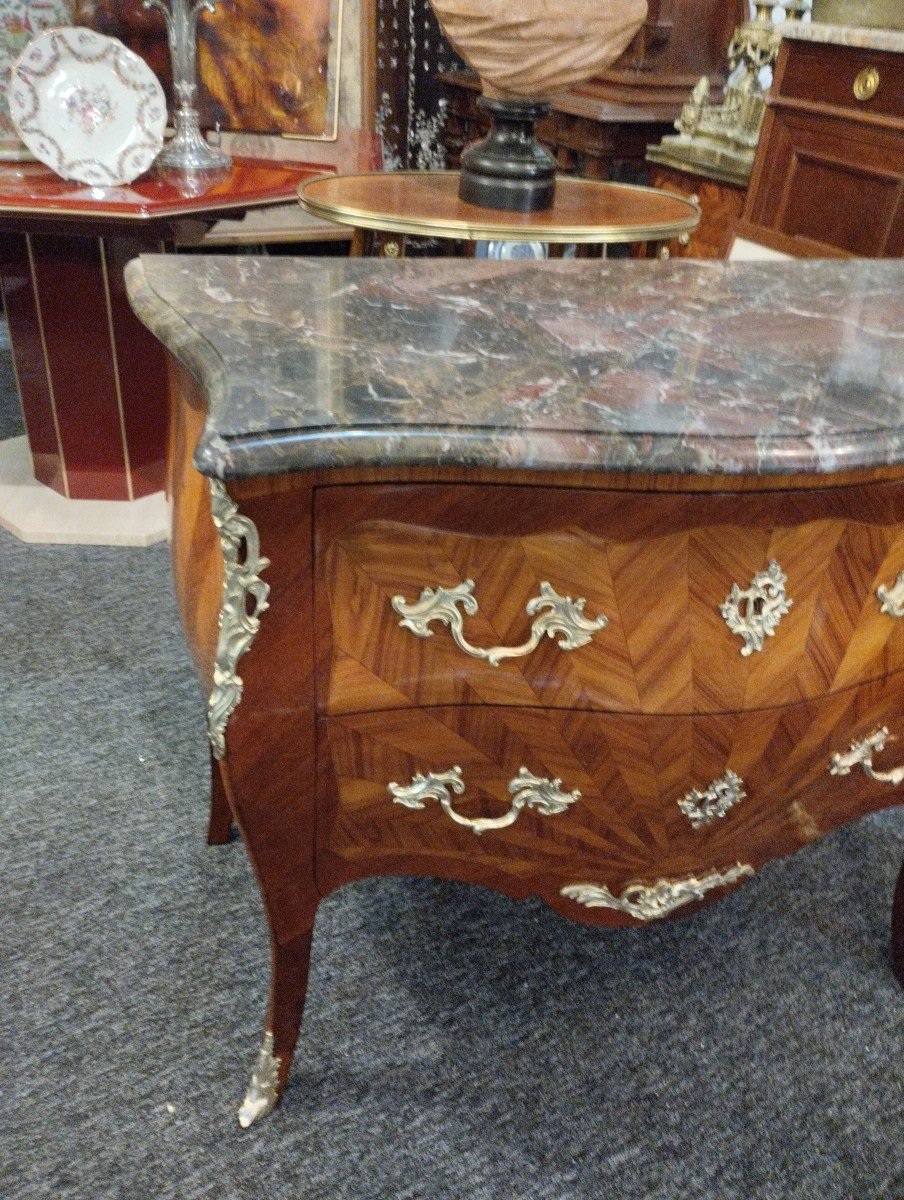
(587, 212)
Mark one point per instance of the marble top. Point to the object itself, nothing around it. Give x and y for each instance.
(693, 367)
(845, 35)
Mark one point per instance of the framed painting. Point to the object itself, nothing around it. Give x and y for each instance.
(265, 66)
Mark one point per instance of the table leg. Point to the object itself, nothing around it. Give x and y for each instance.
(269, 763)
(289, 984)
(92, 379)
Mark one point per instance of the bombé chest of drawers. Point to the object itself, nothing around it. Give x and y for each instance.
(580, 581)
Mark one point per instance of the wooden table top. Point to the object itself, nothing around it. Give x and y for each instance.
(426, 204)
(31, 189)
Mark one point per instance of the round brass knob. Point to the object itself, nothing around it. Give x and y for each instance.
(867, 83)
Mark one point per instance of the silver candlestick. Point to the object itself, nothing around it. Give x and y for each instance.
(187, 150)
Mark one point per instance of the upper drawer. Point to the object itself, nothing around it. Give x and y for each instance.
(665, 581)
(827, 77)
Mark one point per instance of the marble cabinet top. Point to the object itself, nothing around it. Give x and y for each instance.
(845, 35)
(692, 367)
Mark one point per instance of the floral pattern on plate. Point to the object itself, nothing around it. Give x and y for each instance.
(20, 21)
(87, 107)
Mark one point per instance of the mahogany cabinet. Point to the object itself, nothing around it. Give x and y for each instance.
(830, 163)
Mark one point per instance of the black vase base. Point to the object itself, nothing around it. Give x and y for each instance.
(509, 170)
(507, 195)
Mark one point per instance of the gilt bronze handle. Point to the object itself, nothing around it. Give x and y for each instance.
(527, 790)
(650, 901)
(862, 753)
(558, 615)
(754, 612)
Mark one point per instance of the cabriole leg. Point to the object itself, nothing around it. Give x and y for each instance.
(288, 988)
(219, 827)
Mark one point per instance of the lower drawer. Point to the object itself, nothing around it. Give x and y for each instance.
(534, 801)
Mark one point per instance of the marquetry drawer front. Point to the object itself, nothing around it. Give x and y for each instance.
(865, 81)
(562, 798)
(650, 604)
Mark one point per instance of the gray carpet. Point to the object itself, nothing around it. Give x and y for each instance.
(456, 1045)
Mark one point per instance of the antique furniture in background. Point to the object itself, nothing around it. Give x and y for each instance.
(710, 158)
(524, 54)
(830, 164)
(720, 203)
(426, 103)
(679, 41)
(91, 380)
(427, 204)
(576, 580)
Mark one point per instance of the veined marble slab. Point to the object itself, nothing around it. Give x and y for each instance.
(845, 35)
(702, 367)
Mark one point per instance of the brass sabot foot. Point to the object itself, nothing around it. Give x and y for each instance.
(263, 1091)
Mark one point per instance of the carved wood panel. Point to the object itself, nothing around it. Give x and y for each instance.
(657, 570)
(830, 167)
(631, 772)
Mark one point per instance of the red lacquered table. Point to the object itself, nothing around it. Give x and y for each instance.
(92, 380)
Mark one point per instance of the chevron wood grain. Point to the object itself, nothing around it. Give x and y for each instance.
(339, 701)
(658, 567)
(631, 771)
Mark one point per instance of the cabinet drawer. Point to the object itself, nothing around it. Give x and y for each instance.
(655, 572)
(827, 77)
(398, 788)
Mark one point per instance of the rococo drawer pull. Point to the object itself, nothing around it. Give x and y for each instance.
(563, 616)
(648, 902)
(702, 808)
(545, 795)
(862, 753)
(892, 597)
(755, 612)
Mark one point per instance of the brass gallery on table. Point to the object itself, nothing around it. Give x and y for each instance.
(618, 622)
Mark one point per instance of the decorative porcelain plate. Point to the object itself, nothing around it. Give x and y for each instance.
(20, 21)
(87, 107)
